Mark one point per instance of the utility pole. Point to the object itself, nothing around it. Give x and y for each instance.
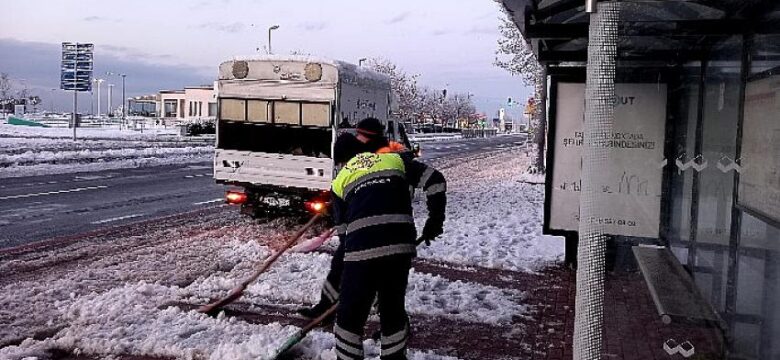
(98, 82)
(269, 37)
(124, 100)
(110, 96)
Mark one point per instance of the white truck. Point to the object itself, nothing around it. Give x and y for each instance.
(277, 120)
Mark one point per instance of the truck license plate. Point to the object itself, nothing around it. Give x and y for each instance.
(274, 201)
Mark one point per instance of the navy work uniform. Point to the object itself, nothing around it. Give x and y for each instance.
(372, 202)
(418, 176)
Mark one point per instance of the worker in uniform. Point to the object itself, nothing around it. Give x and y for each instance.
(418, 175)
(371, 197)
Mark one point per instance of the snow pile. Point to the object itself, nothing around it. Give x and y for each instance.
(7, 130)
(493, 219)
(296, 279)
(27, 151)
(129, 320)
(32, 157)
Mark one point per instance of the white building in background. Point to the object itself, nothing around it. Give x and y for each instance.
(201, 102)
(192, 103)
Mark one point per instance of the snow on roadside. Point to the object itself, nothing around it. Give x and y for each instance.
(27, 151)
(50, 169)
(89, 133)
(493, 219)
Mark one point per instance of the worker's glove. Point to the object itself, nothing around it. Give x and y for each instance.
(430, 232)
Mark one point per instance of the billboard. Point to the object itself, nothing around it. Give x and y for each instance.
(759, 176)
(76, 69)
(633, 184)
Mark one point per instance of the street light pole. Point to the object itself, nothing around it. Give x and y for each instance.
(98, 82)
(360, 61)
(110, 97)
(124, 99)
(269, 37)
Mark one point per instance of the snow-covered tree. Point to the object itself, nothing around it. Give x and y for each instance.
(516, 56)
(403, 85)
(419, 103)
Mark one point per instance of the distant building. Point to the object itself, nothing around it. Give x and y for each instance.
(192, 103)
(145, 105)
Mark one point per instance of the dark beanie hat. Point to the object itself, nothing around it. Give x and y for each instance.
(346, 147)
(371, 127)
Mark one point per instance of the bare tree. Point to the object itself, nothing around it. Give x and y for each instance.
(517, 57)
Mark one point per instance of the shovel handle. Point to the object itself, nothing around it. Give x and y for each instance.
(300, 334)
(272, 259)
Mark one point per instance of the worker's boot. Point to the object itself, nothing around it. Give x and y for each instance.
(312, 313)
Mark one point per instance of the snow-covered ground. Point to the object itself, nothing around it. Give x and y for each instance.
(27, 151)
(494, 218)
(123, 294)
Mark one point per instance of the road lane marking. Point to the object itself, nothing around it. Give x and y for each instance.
(208, 201)
(92, 177)
(196, 175)
(10, 197)
(116, 219)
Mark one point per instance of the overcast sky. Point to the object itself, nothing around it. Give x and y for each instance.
(170, 44)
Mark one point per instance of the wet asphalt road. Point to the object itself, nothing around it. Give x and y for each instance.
(42, 207)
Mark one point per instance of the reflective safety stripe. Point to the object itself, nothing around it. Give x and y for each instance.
(425, 176)
(435, 189)
(330, 291)
(387, 340)
(411, 191)
(392, 350)
(379, 220)
(347, 335)
(349, 348)
(379, 252)
(341, 229)
(370, 176)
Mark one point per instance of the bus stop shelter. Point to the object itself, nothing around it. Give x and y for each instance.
(691, 182)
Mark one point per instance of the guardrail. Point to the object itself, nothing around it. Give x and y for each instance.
(478, 133)
(434, 137)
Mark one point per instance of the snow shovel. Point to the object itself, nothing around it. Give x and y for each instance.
(238, 291)
(300, 334)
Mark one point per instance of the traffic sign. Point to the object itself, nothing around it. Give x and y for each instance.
(76, 69)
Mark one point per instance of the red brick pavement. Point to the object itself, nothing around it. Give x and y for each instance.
(632, 327)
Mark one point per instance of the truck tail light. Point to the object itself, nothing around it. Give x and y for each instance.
(316, 206)
(235, 197)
